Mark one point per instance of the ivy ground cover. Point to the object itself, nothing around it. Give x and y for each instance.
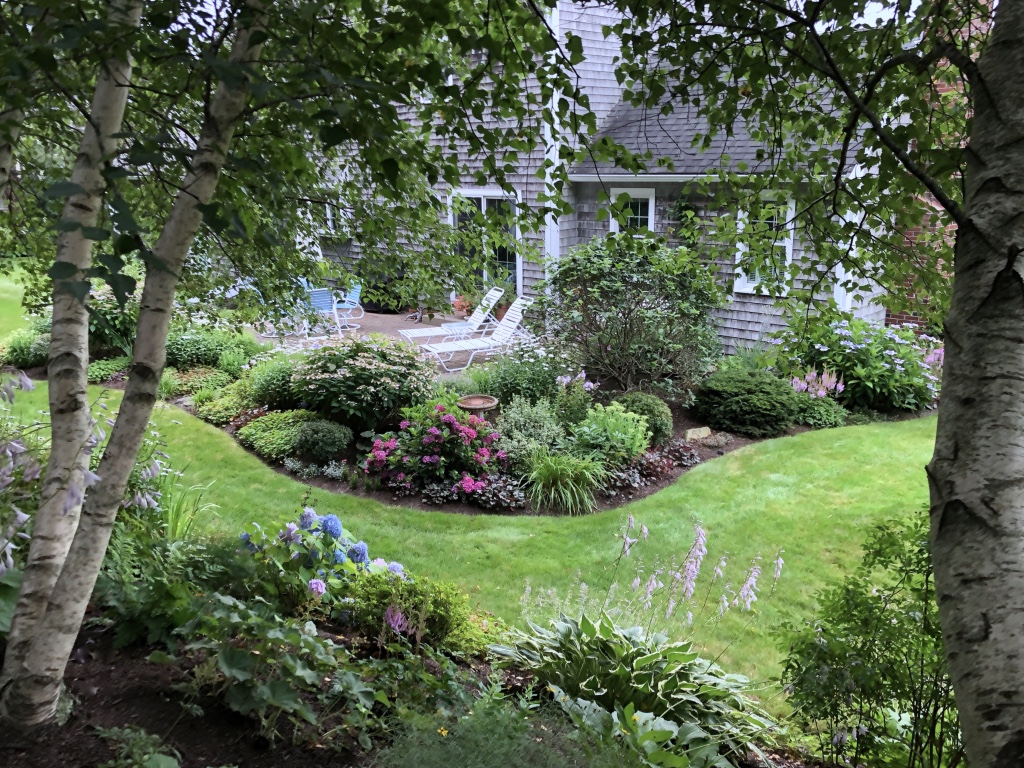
(813, 495)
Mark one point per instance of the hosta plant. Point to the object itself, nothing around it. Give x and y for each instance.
(713, 722)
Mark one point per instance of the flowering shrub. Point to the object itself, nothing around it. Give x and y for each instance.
(436, 444)
(364, 381)
(528, 372)
(574, 398)
(310, 559)
(881, 368)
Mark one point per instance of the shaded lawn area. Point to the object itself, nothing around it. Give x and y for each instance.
(11, 313)
(813, 495)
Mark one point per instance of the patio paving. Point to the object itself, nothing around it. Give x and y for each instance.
(371, 322)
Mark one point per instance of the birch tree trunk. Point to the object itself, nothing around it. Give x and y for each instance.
(10, 130)
(977, 471)
(35, 678)
(71, 424)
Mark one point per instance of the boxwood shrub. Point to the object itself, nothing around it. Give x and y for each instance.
(752, 403)
(275, 435)
(659, 416)
(321, 441)
(819, 412)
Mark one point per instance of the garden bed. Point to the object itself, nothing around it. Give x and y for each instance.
(118, 688)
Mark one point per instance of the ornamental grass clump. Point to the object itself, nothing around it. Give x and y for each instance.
(563, 482)
(364, 382)
(438, 445)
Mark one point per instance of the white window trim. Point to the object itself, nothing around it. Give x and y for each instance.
(741, 283)
(491, 193)
(635, 193)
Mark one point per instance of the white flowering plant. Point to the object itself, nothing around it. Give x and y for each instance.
(884, 368)
(364, 381)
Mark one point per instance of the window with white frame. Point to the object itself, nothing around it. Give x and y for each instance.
(493, 205)
(772, 230)
(639, 209)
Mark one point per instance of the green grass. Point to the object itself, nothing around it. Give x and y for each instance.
(11, 313)
(814, 495)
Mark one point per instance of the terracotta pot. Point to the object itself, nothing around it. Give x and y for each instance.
(499, 311)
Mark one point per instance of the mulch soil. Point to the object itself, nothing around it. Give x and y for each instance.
(117, 688)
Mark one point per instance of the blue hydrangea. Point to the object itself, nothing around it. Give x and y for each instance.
(396, 568)
(339, 557)
(359, 553)
(308, 519)
(331, 525)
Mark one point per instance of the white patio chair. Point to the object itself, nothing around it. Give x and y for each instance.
(480, 321)
(345, 309)
(506, 333)
(326, 303)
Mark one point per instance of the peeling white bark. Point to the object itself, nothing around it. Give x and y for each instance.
(10, 129)
(63, 485)
(977, 471)
(35, 683)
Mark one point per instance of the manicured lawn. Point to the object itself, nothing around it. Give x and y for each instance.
(10, 306)
(813, 495)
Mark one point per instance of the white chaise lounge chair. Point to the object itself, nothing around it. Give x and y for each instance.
(480, 321)
(503, 336)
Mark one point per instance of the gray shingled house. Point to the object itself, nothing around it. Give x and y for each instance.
(749, 313)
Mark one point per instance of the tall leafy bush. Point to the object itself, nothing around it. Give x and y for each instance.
(871, 667)
(633, 312)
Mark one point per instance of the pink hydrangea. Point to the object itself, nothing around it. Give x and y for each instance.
(449, 419)
(468, 485)
(403, 424)
(431, 459)
(439, 408)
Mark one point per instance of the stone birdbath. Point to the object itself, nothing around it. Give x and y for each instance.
(478, 405)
